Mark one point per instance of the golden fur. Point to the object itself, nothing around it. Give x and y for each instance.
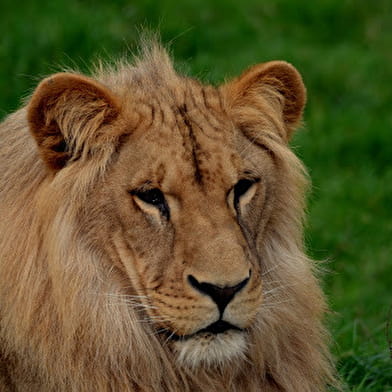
(101, 290)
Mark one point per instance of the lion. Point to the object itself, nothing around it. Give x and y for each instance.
(151, 235)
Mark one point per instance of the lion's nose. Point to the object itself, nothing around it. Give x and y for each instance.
(220, 295)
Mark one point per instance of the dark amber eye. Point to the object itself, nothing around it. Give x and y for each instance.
(241, 188)
(154, 197)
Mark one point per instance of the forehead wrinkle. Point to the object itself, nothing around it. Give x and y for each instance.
(205, 105)
(213, 132)
(189, 141)
(194, 129)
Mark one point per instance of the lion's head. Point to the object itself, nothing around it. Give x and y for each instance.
(156, 227)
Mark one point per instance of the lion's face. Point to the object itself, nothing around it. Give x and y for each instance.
(183, 190)
(184, 199)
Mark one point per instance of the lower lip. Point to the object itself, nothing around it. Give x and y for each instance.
(205, 331)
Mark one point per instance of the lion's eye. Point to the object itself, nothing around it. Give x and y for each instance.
(241, 189)
(154, 197)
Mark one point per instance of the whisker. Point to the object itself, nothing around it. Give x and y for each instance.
(273, 304)
(272, 268)
(133, 305)
(126, 295)
(271, 291)
(169, 337)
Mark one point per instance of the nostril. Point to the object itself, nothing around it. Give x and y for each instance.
(194, 282)
(220, 295)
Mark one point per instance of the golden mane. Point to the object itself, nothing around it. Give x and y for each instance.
(63, 325)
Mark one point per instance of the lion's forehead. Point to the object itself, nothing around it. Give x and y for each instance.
(186, 134)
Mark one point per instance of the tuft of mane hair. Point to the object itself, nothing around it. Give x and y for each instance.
(103, 282)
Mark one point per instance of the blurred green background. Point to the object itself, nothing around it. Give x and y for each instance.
(343, 48)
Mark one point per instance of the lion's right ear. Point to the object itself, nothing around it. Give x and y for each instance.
(68, 115)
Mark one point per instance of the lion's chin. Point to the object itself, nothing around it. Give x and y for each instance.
(209, 350)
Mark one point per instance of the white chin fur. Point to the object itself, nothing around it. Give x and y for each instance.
(210, 350)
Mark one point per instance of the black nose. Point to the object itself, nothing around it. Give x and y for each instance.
(220, 295)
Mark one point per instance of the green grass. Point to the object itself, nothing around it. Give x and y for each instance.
(343, 49)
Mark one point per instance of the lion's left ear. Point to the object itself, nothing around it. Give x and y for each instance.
(275, 85)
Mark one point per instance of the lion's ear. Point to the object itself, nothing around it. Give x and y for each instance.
(67, 115)
(277, 84)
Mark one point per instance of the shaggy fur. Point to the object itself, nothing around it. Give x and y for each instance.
(95, 290)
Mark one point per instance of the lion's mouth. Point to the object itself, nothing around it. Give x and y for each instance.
(218, 327)
(215, 345)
